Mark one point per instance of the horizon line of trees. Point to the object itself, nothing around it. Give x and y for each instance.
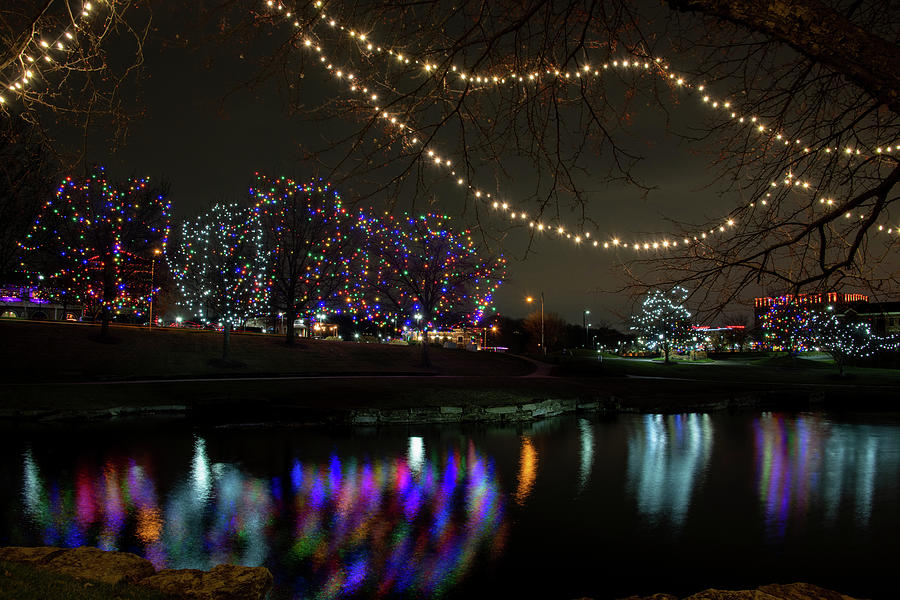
(294, 248)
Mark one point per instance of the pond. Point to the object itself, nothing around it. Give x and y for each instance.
(603, 507)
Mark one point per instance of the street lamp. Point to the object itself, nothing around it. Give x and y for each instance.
(529, 299)
(585, 326)
(485, 344)
(152, 268)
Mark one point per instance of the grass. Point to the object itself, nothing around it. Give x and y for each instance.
(25, 582)
(59, 369)
(779, 369)
(58, 352)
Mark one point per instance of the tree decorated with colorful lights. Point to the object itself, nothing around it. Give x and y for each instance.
(802, 120)
(220, 268)
(663, 322)
(306, 235)
(424, 272)
(94, 242)
(788, 325)
(802, 132)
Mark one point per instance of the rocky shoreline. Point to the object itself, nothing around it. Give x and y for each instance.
(236, 410)
(775, 591)
(222, 582)
(232, 582)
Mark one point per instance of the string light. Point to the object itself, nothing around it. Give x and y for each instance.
(787, 324)
(663, 321)
(39, 51)
(92, 233)
(425, 267)
(634, 62)
(308, 234)
(408, 129)
(220, 269)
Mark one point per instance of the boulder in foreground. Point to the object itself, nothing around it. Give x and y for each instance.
(223, 582)
(775, 591)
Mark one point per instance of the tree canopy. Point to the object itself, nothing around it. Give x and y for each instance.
(802, 126)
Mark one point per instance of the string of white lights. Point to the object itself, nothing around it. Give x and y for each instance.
(43, 50)
(408, 133)
(542, 72)
(39, 48)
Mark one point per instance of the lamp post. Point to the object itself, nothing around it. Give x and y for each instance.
(485, 344)
(152, 269)
(584, 325)
(529, 299)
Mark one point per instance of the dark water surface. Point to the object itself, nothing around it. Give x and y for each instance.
(564, 508)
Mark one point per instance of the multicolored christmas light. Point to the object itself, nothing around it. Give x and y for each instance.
(220, 268)
(94, 243)
(408, 132)
(787, 326)
(307, 238)
(423, 272)
(791, 324)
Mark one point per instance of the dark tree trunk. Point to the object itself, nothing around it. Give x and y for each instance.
(426, 362)
(821, 34)
(109, 294)
(666, 352)
(226, 340)
(289, 327)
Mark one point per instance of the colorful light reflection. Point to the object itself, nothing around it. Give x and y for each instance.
(805, 466)
(402, 525)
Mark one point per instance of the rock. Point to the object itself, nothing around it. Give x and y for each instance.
(32, 556)
(95, 564)
(801, 591)
(223, 582)
(730, 595)
(775, 591)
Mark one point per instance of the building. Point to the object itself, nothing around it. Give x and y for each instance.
(24, 302)
(884, 317)
(837, 301)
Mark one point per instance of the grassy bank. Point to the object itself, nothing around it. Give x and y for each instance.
(771, 368)
(57, 352)
(53, 368)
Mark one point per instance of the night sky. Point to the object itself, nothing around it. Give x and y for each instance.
(206, 134)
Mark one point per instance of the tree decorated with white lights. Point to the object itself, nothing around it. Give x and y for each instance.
(306, 235)
(842, 338)
(425, 272)
(663, 322)
(220, 268)
(94, 242)
(803, 121)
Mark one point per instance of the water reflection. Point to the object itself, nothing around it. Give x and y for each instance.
(805, 463)
(528, 463)
(412, 525)
(666, 457)
(586, 437)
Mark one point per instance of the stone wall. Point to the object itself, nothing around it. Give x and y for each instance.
(530, 411)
